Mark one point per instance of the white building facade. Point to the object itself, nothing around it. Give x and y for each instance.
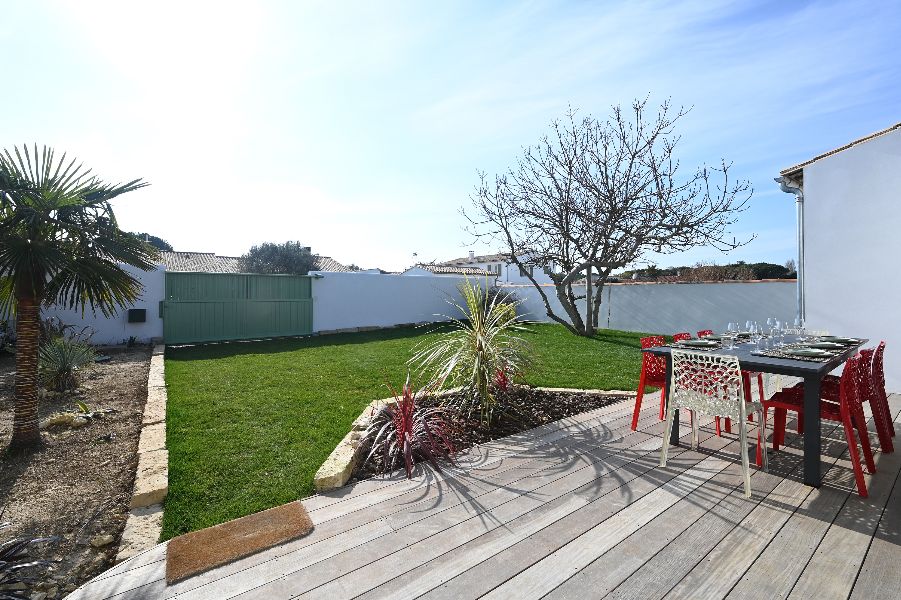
(849, 223)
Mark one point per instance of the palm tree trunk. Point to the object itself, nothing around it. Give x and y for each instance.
(25, 422)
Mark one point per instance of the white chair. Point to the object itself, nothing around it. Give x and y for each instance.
(711, 385)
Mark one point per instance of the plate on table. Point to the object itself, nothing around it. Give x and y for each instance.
(839, 340)
(809, 352)
(698, 343)
(826, 345)
(712, 337)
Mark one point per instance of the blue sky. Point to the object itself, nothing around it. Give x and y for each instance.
(359, 128)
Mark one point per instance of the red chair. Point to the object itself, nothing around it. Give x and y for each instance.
(872, 369)
(705, 332)
(879, 393)
(653, 374)
(848, 411)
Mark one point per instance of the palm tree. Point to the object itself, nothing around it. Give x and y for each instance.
(59, 244)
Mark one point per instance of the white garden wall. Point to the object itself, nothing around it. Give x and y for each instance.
(349, 300)
(672, 307)
(117, 329)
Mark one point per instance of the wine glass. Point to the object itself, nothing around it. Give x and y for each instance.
(799, 325)
(778, 334)
(748, 325)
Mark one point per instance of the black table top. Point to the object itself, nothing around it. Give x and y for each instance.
(769, 364)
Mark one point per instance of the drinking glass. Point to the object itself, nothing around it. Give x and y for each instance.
(748, 325)
(778, 334)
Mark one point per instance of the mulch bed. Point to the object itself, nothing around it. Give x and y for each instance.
(521, 409)
(78, 487)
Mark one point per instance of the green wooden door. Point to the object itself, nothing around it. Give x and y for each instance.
(212, 307)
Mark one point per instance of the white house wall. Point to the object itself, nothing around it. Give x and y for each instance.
(672, 307)
(852, 219)
(117, 329)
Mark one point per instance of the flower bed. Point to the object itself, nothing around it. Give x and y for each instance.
(520, 409)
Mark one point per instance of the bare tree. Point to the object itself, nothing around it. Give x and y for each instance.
(594, 196)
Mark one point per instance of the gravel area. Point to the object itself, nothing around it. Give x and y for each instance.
(78, 486)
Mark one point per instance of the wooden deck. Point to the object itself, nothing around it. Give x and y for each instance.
(577, 509)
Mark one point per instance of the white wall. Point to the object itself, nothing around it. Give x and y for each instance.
(344, 300)
(672, 307)
(116, 329)
(852, 236)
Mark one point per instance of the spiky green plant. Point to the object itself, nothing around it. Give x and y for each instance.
(61, 359)
(481, 349)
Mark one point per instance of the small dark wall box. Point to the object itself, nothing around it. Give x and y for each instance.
(137, 315)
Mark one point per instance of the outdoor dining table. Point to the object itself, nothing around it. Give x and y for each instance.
(812, 372)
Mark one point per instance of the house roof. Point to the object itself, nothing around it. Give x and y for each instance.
(445, 269)
(199, 262)
(796, 172)
(208, 262)
(329, 265)
(483, 258)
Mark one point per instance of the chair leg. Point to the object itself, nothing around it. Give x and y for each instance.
(864, 435)
(746, 469)
(779, 417)
(719, 433)
(694, 430)
(884, 426)
(855, 457)
(761, 440)
(664, 449)
(638, 398)
(662, 404)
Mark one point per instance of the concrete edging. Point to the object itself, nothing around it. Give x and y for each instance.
(339, 466)
(145, 517)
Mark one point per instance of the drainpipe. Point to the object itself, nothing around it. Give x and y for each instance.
(799, 200)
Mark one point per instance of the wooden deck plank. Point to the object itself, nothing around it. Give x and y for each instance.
(682, 523)
(659, 574)
(433, 521)
(640, 495)
(481, 578)
(832, 570)
(357, 573)
(722, 567)
(880, 576)
(772, 575)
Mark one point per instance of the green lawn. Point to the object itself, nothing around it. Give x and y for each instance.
(250, 423)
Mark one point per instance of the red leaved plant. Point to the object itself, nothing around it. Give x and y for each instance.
(401, 431)
(501, 380)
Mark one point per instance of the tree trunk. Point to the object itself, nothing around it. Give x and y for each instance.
(25, 422)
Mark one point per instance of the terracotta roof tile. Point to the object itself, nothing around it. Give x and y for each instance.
(207, 262)
(789, 172)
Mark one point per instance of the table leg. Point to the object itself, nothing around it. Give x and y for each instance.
(674, 434)
(812, 440)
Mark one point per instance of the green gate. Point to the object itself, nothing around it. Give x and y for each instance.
(212, 307)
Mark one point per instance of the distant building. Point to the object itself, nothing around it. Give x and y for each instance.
(503, 268)
(430, 269)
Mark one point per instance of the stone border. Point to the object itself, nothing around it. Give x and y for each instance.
(145, 519)
(337, 469)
